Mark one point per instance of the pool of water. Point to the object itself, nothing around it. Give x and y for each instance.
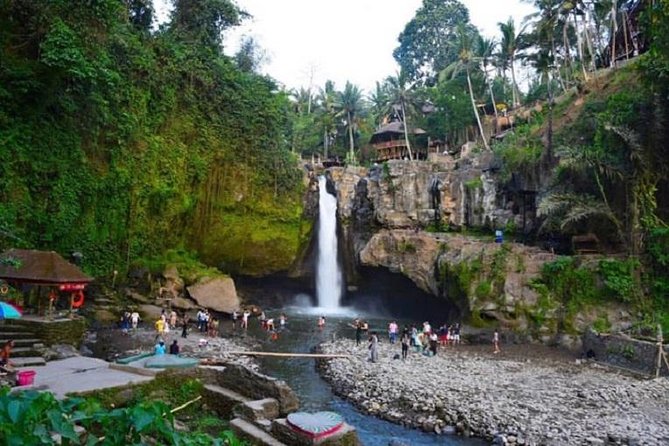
(301, 334)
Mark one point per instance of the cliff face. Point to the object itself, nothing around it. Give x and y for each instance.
(397, 217)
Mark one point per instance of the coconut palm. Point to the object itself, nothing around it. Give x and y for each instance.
(509, 47)
(484, 51)
(467, 61)
(352, 105)
(401, 95)
(328, 106)
(378, 100)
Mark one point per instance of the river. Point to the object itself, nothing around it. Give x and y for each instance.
(302, 335)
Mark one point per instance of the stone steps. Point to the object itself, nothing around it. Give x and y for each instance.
(16, 335)
(21, 352)
(28, 361)
(249, 431)
(254, 411)
(222, 400)
(20, 342)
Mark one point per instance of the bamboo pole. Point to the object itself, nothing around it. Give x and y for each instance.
(660, 351)
(290, 355)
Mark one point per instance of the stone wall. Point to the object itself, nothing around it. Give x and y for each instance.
(59, 331)
(622, 351)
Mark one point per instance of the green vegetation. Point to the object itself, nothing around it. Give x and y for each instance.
(32, 417)
(406, 247)
(520, 151)
(122, 143)
(474, 184)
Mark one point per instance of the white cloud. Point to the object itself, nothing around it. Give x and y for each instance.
(342, 40)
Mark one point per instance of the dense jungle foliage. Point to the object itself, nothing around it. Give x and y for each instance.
(120, 141)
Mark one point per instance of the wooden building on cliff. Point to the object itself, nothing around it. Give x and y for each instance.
(389, 143)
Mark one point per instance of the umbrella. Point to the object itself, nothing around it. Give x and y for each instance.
(9, 311)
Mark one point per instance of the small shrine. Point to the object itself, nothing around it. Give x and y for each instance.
(46, 279)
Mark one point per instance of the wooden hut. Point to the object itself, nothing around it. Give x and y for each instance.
(46, 269)
(389, 143)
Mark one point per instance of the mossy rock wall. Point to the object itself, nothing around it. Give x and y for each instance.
(61, 331)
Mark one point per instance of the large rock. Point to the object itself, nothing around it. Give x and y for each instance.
(218, 294)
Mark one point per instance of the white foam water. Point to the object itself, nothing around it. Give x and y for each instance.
(328, 274)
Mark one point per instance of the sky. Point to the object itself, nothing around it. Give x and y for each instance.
(310, 41)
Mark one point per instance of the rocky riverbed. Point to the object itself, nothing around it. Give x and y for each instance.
(508, 398)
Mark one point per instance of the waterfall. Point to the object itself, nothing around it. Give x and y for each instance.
(328, 274)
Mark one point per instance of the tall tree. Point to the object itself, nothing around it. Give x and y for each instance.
(140, 13)
(467, 62)
(508, 49)
(485, 49)
(400, 95)
(427, 44)
(352, 104)
(202, 22)
(378, 100)
(328, 106)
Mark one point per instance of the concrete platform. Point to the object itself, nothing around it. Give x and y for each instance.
(80, 374)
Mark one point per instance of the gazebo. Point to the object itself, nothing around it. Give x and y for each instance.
(389, 142)
(45, 269)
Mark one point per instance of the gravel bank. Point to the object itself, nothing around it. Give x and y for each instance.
(507, 399)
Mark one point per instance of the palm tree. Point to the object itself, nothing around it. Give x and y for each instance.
(467, 61)
(328, 105)
(485, 50)
(379, 103)
(509, 47)
(351, 103)
(400, 94)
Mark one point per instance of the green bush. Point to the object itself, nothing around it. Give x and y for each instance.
(619, 279)
(31, 418)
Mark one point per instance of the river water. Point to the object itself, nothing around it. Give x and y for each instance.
(302, 335)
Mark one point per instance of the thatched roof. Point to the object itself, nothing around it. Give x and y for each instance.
(395, 128)
(39, 267)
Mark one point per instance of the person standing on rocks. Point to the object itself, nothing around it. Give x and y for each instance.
(160, 326)
(373, 347)
(282, 321)
(495, 342)
(235, 316)
(456, 334)
(184, 326)
(173, 320)
(200, 319)
(434, 341)
(405, 340)
(358, 332)
(245, 319)
(392, 332)
(134, 318)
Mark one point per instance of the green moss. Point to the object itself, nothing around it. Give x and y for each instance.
(406, 247)
(602, 323)
(483, 290)
(475, 183)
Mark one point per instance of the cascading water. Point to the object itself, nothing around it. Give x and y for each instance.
(328, 274)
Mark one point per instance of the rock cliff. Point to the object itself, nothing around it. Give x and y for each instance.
(399, 216)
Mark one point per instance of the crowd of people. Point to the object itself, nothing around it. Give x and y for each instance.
(425, 340)
(422, 339)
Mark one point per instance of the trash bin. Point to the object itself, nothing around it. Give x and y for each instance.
(26, 377)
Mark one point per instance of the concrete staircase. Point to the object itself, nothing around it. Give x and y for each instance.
(26, 344)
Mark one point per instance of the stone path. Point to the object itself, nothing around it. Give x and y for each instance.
(80, 374)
